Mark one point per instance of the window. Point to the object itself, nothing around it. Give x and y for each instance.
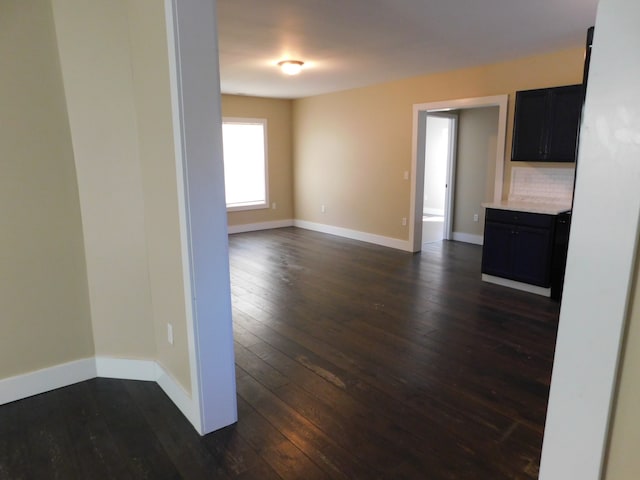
(244, 142)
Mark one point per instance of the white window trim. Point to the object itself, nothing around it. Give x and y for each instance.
(254, 121)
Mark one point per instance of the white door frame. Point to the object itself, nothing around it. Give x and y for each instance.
(417, 163)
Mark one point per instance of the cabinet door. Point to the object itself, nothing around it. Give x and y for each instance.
(532, 256)
(497, 249)
(565, 112)
(529, 128)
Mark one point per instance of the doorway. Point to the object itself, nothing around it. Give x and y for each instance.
(439, 170)
(421, 112)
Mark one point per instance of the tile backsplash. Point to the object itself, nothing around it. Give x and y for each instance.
(543, 185)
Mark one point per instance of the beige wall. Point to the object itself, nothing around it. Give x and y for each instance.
(44, 304)
(114, 63)
(93, 41)
(351, 148)
(623, 462)
(279, 130)
(475, 167)
(96, 88)
(158, 171)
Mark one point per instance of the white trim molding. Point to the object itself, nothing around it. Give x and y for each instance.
(254, 227)
(46, 379)
(396, 243)
(417, 164)
(128, 369)
(177, 394)
(175, 85)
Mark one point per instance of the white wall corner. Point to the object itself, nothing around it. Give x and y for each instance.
(46, 379)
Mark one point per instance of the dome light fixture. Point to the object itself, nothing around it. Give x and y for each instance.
(291, 67)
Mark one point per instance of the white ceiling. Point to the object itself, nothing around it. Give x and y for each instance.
(353, 43)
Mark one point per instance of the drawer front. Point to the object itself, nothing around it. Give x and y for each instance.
(519, 218)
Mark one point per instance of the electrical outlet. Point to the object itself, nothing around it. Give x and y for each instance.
(475, 217)
(170, 333)
(404, 221)
(323, 209)
(273, 205)
(406, 175)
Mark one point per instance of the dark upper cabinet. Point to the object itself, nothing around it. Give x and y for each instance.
(546, 124)
(530, 125)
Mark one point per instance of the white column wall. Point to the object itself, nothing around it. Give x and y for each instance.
(193, 51)
(601, 254)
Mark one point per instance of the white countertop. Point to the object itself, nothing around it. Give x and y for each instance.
(532, 207)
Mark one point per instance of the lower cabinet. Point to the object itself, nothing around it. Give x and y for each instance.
(559, 259)
(518, 246)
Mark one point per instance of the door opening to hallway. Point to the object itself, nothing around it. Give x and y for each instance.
(439, 166)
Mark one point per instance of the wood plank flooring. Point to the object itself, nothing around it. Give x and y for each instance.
(353, 361)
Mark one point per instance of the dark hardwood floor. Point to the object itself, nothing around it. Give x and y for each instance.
(353, 361)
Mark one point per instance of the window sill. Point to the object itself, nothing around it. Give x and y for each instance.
(248, 206)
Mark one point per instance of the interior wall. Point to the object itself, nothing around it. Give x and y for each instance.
(279, 145)
(623, 462)
(475, 168)
(93, 40)
(351, 148)
(152, 97)
(44, 303)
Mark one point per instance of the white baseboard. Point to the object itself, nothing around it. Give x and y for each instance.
(58, 376)
(525, 287)
(126, 369)
(253, 227)
(468, 238)
(40, 381)
(355, 235)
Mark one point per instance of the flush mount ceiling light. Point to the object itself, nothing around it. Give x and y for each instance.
(291, 67)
